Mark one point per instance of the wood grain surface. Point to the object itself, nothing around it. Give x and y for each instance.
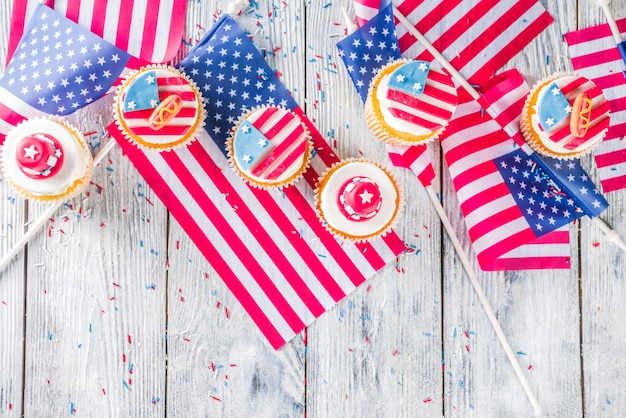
(112, 311)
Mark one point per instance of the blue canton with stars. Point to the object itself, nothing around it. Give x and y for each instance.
(554, 107)
(549, 202)
(369, 48)
(59, 67)
(233, 77)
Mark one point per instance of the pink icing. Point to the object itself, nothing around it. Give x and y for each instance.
(39, 155)
(359, 198)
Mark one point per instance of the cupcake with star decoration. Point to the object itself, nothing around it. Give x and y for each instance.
(158, 107)
(269, 147)
(409, 102)
(358, 200)
(565, 116)
(46, 159)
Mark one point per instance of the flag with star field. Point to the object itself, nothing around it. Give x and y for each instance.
(516, 203)
(268, 246)
(57, 68)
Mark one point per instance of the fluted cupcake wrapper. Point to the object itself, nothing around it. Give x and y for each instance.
(137, 140)
(259, 183)
(74, 188)
(396, 207)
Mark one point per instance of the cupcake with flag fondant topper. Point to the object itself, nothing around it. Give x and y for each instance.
(565, 116)
(409, 102)
(46, 159)
(158, 107)
(269, 147)
(358, 200)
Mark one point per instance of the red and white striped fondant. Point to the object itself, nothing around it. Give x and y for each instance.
(270, 146)
(559, 137)
(180, 128)
(414, 110)
(431, 109)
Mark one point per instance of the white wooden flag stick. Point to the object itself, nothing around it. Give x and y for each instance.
(455, 241)
(34, 227)
(604, 4)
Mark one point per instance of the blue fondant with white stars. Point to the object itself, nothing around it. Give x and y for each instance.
(142, 93)
(553, 107)
(410, 77)
(249, 145)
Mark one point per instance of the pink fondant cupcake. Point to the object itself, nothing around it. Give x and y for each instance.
(46, 159)
(358, 200)
(269, 147)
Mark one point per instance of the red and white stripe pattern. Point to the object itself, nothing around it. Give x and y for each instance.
(268, 246)
(168, 83)
(501, 237)
(280, 151)
(151, 30)
(595, 56)
(560, 133)
(431, 108)
(478, 38)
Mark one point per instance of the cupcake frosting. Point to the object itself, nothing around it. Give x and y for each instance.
(358, 200)
(410, 102)
(270, 146)
(158, 107)
(565, 116)
(46, 159)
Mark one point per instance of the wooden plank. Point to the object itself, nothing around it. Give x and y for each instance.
(538, 311)
(218, 361)
(378, 352)
(95, 306)
(602, 286)
(13, 280)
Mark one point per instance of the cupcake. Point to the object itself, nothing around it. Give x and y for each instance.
(565, 116)
(269, 147)
(46, 159)
(358, 200)
(158, 107)
(409, 102)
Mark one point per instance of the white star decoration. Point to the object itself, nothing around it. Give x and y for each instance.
(555, 91)
(247, 158)
(400, 78)
(366, 197)
(30, 152)
(423, 66)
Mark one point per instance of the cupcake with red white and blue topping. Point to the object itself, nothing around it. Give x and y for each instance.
(358, 200)
(46, 159)
(409, 102)
(565, 116)
(159, 108)
(269, 147)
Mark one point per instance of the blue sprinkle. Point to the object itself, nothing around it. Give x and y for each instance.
(125, 384)
(50, 336)
(521, 353)
(71, 408)
(89, 327)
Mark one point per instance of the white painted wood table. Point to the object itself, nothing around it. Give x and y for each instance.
(112, 310)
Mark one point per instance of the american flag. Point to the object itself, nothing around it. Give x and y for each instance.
(58, 67)
(595, 55)
(151, 30)
(470, 35)
(268, 246)
(509, 195)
